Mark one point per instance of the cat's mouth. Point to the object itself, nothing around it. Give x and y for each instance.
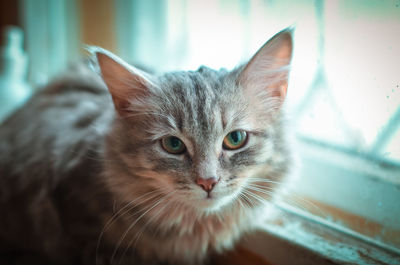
(208, 198)
(213, 201)
(208, 204)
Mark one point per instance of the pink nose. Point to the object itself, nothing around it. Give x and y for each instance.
(207, 184)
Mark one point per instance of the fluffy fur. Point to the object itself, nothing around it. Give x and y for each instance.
(84, 178)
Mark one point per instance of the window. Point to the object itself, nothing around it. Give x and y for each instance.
(344, 93)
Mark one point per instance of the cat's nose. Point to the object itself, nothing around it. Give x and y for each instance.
(207, 184)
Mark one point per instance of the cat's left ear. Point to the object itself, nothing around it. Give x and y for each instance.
(268, 69)
(125, 82)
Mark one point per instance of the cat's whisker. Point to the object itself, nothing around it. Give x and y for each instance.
(133, 224)
(139, 233)
(255, 200)
(264, 184)
(239, 200)
(159, 192)
(266, 192)
(292, 199)
(296, 197)
(115, 215)
(260, 199)
(248, 200)
(262, 188)
(156, 215)
(303, 204)
(123, 211)
(253, 179)
(269, 193)
(243, 200)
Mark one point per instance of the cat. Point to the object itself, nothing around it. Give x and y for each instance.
(113, 165)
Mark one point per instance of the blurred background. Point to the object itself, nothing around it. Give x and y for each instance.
(343, 98)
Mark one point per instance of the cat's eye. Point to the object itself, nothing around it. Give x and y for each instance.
(235, 140)
(173, 145)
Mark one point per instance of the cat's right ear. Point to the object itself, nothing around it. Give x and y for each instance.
(268, 70)
(125, 82)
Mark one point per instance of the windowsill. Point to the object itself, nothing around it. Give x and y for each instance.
(295, 237)
(354, 190)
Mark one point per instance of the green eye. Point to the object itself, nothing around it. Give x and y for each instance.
(235, 140)
(173, 145)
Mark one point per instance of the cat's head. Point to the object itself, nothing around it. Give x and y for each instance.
(205, 139)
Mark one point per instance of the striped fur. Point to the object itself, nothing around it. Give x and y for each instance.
(84, 177)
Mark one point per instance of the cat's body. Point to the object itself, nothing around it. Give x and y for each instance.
(85, 180)
(50, 192)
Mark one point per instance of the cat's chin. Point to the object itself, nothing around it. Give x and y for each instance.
(214, 202)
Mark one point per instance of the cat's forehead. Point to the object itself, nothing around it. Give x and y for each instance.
(204, 88)
(201, 103)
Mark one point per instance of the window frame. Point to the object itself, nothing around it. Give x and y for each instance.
(292, 236)
(356, 190)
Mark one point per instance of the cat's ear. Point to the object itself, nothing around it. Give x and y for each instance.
(268, 69)
(125, 82)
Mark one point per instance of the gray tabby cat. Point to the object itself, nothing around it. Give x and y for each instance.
(155, 169)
